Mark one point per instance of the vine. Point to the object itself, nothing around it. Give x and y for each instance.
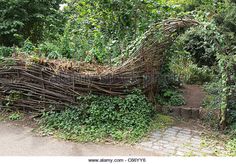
(226, 65)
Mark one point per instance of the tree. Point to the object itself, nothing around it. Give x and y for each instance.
(22, 19)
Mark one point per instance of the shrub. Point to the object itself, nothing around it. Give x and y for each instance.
(193, 56)
(101, 117)
(202, 43)
(171, 97)
(28, 46)
(213, 97)
(198, 75)
(232, 121)
(6, 51)
(50, 50)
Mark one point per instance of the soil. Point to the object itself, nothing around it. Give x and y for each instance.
(193, 95)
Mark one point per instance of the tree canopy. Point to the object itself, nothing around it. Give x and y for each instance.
(22, 19)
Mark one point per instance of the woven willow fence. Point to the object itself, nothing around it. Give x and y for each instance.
(31, 83)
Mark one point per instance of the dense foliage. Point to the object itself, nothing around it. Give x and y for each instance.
(103, 117)
(99, 31)
(207, 54)
(22, 19)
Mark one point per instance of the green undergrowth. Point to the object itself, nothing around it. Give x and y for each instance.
(102, 118)
(213, 98)
(5, 51)
(231, 147)
(231, 142)
(171, 97)
(161, 121)
(15, 116)
(11, 115)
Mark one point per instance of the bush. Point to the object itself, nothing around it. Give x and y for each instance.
(50, 50)
(6, 51)
(213, 97)
(193, 56)
(171, 97)
(28, 46)
(101, 117)
(232, 121)
(202, 44)
(198, 75)
(168, 82)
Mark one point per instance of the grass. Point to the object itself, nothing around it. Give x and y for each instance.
(217, 142)
(11, 116)
(161, 121)
(15, 116)
(231, 147)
